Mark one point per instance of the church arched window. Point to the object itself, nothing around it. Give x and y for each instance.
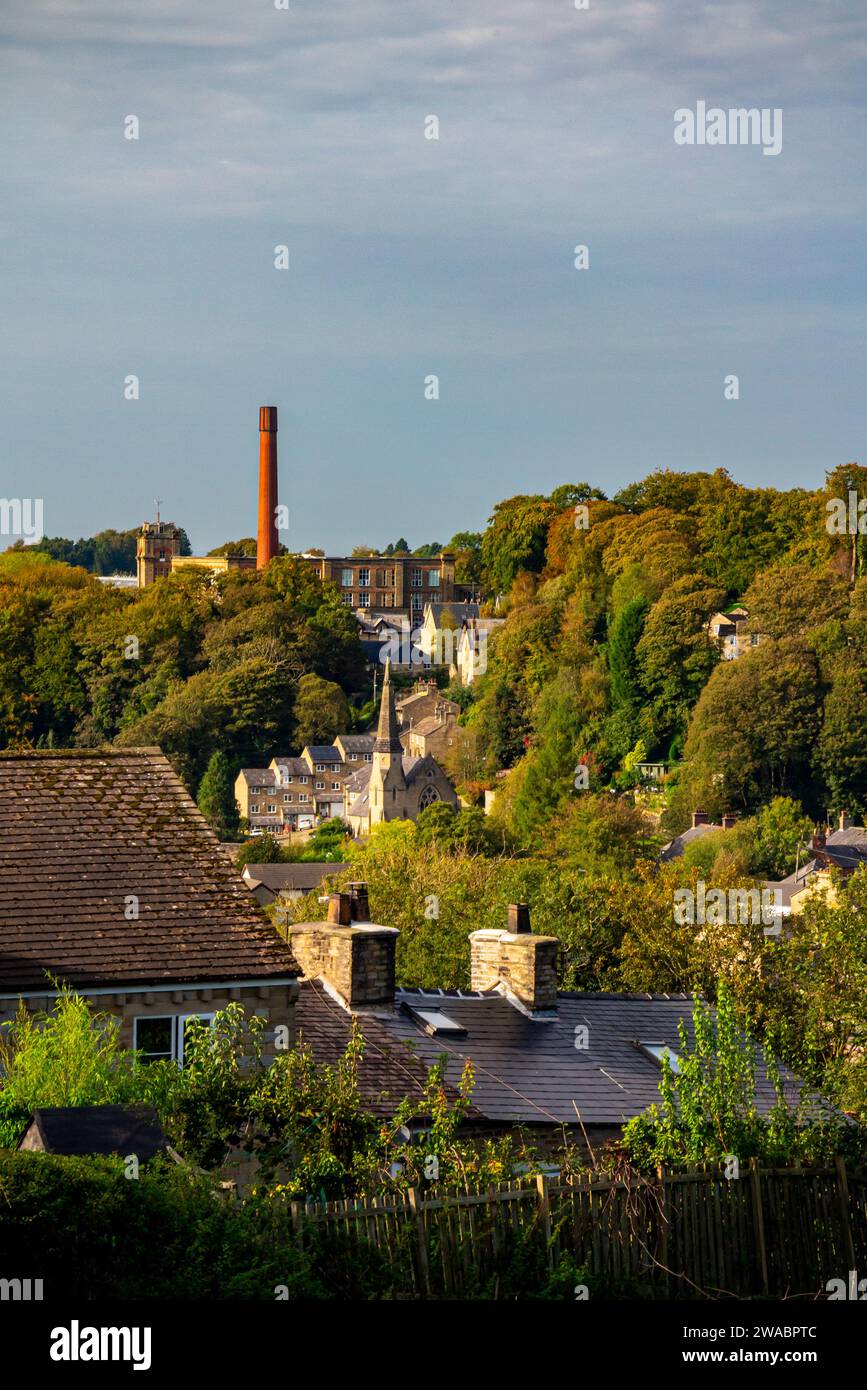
(428, 797)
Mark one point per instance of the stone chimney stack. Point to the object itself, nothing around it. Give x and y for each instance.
(845, 820)
(524, 965)
(818, 841)
(729, 821)
(351, 954)
(699, 818)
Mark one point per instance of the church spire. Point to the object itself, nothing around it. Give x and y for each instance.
(387, 733)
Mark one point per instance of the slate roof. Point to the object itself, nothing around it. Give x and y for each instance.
(294, 766)
(263, 776)
(389, 1071)
(530, 1072)
(81, 832)
(402, 701)
(844, 849)
(281, 878)
(457, 610)
(674, 849)
(428, 725)
(357, 743)
(95, 1129)
(324, 753)
(358, 784)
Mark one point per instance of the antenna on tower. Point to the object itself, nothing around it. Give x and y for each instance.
(157, 503)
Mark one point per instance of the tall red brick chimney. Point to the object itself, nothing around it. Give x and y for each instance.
(268, 535)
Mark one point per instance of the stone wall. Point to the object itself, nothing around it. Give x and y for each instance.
(274, 1003)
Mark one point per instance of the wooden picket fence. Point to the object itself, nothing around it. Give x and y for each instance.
(778, 1232)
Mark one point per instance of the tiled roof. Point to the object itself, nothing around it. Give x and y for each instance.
(357, 743)
(83, 835)
(389, 1070)
(283, 877)
(530, 1071)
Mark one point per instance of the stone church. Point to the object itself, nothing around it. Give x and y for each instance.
(393, 786)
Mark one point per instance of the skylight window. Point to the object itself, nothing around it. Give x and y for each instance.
(656, 1052)
(435, 1023)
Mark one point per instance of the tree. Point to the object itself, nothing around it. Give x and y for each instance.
(781, 830)
(216, 798)
(321, 711)
(601, 835)
(246, 546)
(787, 600)
(263, 849)
(467, 549)
(68, 1057)
(753, 731)
(819, 975)
(674, 654)
(515, 540)
(709, 1108)
(842, 749)
(622, 661)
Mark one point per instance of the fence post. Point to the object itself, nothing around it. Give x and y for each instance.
(845, 1210)
(421, 1236)
(545, 1214)
(759, 1221)
(297, 1224)
(663, 1225)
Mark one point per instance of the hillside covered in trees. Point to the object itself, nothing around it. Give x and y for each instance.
(605, 656)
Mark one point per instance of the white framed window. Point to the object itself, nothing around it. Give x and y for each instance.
(304, 781)
(364, 600)
(364, 579)
(368, 757)
(348, 601)
(272, 809)
(303, 797)
(346, 579)
(415, 579)
(321, 767)
(254, 810)
(433, 579)
(162, 1036)
(335, 786)
(287, 797)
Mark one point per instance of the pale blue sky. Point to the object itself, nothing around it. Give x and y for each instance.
(411, 256)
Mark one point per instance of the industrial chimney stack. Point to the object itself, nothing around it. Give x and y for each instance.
(268, 535)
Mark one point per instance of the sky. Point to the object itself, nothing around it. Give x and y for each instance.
(412, 257)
